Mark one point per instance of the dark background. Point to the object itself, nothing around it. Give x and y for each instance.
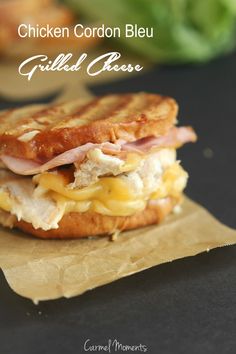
(187, 306)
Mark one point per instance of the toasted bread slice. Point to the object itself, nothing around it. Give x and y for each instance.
(56, 129)
(77, 225)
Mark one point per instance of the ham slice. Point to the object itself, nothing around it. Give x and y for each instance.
(175, 138)
(28, 167)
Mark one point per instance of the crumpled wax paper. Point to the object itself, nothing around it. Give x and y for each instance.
(50, 269)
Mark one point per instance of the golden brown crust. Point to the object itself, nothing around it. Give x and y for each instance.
(66, 126)
(77, 225)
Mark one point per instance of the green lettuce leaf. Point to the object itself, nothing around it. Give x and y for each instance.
(184, 30)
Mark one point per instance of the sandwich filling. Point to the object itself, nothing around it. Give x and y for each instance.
(113, 179)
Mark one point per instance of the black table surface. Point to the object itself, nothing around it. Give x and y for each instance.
(187, 306)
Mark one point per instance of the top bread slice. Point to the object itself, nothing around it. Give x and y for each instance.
(40, 133)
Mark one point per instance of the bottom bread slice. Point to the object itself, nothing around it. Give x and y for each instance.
(76, 225)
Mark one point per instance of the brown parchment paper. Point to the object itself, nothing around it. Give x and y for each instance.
(43, 270)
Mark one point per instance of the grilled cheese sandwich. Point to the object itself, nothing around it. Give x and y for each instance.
(111, 184)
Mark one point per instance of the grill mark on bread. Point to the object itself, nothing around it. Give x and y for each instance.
(101, 108)
(58, 114)
(133, 109)
(10, 118)
(50, 116)
(121, 103)
(77, 117)
(68, 125)
(126, 109)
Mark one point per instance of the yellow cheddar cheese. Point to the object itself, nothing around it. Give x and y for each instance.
(105, 188)
(109, 196)
(173, 182)
(5, 201)
(132, 162)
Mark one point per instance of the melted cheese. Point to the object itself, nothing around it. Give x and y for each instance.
(105, 188)
(174, 181)
(109, 196)
(5, 201)
(131, 163)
